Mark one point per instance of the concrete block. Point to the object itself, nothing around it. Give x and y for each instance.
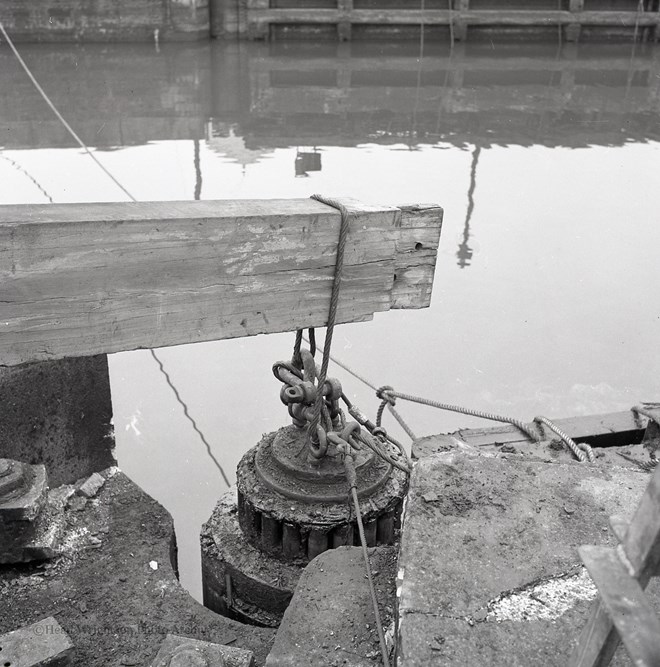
(91, 486)
(489, 572)
(179, 651)
(24, 541)
(330, 620)
(42, 644)
(25, 489)
(58, 413)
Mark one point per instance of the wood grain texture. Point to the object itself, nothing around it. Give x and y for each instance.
(83, 279)
(598, 430)
(630, 610)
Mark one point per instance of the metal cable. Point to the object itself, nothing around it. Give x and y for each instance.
(130, 196)
(191, 419)
(334, 300)
(350, 474)
(18, 167)
(361, 437)
(581, 451)
(53, 108)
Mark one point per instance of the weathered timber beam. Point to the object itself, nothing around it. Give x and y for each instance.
(605, 430)
(84, 279)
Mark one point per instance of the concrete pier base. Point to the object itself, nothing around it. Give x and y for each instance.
(489, 572)
(238, 580)
(58, 413)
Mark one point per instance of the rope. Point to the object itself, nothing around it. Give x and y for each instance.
(389, 402)
(334, 300)
(190, 419)
(350, 474)
(646, 412)
(581, 451)
(53, 108)
(525, 428)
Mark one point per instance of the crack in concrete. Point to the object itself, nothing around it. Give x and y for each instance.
(546, 598)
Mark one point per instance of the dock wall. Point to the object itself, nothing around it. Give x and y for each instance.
(332, 20)
(442, 20)
(105, 20)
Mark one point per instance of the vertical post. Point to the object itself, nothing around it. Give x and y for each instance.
(224, 18)
(567, 76)
(345, 8)
(257, 27)
(573, 28)
(461, 21)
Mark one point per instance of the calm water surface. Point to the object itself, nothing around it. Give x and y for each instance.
(545, 159)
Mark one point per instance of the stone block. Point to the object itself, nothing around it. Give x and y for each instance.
(42, 644)
(24, 541)
(489, 572)
(178, 651)
(25, 489)
(58, 413)
(91, 486)
(330, 620)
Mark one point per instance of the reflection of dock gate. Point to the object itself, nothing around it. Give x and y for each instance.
(439, 19)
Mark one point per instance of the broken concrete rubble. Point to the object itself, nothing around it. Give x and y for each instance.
(31, 517)
(44, 643)
(91, 486)
(103, 592)
(179, 651)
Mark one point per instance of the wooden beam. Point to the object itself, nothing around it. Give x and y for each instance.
(84, 279)
(614, 428)
(630, 610)
(640, 541)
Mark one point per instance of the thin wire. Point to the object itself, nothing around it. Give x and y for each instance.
(53, 108)
(349, 466)
(374, 600)
(32, 178)
(190, 419)
(348, 369)
(130, 196)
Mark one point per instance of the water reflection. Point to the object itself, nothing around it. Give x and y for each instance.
(557, 239)
(275, 95)
(464, 253)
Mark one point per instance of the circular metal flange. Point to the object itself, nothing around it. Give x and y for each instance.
(284, 466)
(295, 516)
